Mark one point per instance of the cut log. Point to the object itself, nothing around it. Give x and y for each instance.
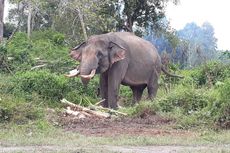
(38, 66)
(71, 112)
(110, 110)
(99, 103)
(84, 109)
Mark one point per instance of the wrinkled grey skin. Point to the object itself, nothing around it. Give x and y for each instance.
(120, 58)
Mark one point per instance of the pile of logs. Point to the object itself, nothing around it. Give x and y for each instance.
(93, 111)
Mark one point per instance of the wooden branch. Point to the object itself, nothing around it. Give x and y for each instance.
(84, 109)
(98, 103)
(38, 66)
(110, 110)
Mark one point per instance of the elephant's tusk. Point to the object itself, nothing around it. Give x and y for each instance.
(73, 73)
(93, 72)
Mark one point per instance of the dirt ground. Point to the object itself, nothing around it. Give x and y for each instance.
(117, 149)
(143, 125)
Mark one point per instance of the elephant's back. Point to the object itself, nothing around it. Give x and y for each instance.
(143, 58)
(140, 49)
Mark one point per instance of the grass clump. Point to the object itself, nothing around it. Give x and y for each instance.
(19, 110)
(52, 87)
(201, 99)
(47, 85)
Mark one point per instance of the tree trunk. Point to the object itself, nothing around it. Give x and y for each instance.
(82, 23)
(29, 20)
(1, 19)
(130, 24)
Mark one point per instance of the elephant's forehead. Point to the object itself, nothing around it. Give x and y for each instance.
(96, 41)
(90, 49)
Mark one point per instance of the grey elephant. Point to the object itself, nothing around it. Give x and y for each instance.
(120, 58)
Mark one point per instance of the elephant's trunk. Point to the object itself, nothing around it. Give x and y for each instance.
(91, 75)
(86, 74)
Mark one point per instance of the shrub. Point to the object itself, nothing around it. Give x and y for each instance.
(80, 94)
(48, 85)
(48, 46)
(188, 99)
(18, 110)
(51, 86)
(145, 108)
(210, 73)
(19, 50)
(3, 57)
(222, 109)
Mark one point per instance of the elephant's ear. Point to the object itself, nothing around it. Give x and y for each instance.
(76, 52)
(117, 52)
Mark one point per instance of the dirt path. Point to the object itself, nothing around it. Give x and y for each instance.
(120, 149)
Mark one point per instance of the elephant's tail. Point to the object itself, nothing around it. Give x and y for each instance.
(169, 74)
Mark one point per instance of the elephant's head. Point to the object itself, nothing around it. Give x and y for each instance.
(96, 55)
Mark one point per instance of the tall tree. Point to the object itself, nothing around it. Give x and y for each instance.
(1, 19)
(29, 19)
(138, 14)
(201, 42)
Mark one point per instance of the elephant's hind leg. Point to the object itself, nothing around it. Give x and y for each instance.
(153, 86)
(137, 92)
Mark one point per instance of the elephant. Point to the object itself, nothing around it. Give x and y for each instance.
(119, 58)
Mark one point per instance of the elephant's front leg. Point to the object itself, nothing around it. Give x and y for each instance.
(114, 80)
(115, 75)
(113, 90)
(104, 88)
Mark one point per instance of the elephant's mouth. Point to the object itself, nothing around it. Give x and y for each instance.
(76, 72)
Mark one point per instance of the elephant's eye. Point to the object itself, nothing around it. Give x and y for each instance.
(99, 54)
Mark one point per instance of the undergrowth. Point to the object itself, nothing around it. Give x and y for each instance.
(201, 98)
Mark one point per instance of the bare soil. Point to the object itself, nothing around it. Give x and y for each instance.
(142, 125)
(117, 149)
(146, 124)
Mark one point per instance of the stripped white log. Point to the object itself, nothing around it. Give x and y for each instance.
(38, 66)
(71, 112)
(87, 110)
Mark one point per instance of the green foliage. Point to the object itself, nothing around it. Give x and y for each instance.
(8, 29)
(125, 96)
(44, 47)
(3, 57)
(55, 37)
(145, 108)
(48, 85)
(196, 100)
(83, 95)
(210, 73)
(19, 50)
(18, 110)
(185, 98)
(222, 109)
(51, 86)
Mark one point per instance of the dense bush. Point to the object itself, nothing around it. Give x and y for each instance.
(188, 99)
(222, 110)
(18, 110)
(46, 84)
(18, 49)
(54, 87)
(44, 47)
(210, 73)
(3, 57)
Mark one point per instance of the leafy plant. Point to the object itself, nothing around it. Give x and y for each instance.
(18, 110)
(48, 85)
(210, 73)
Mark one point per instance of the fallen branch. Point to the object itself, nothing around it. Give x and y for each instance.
(99, 103)
(38, 66)
(84, 109)
(110, 110)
